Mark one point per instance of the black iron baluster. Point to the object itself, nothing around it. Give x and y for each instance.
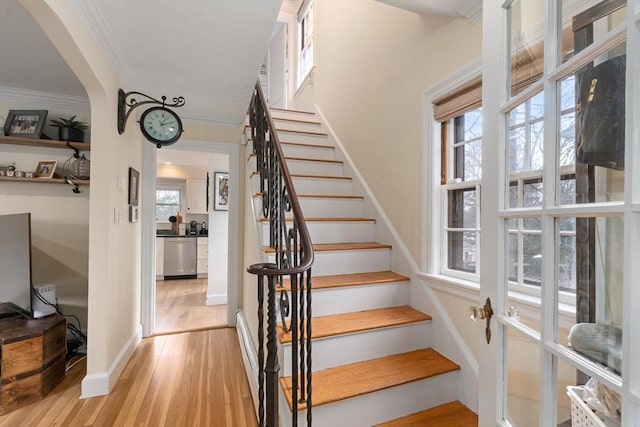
(293, 258)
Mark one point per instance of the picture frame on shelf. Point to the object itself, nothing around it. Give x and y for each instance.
(25, 123)
(134, 182)
(221, 191)
(46, 169)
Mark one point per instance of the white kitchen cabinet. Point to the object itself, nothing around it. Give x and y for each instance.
(202, 264)
(159, 258)
(197, 196)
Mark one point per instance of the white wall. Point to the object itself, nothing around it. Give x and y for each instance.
(218, 239)
(114, 246)
(373, 64)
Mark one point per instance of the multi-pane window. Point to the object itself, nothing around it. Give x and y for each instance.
(167, 203)
(305, 40)
(461, 183)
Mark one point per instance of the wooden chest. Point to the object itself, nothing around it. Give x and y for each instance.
(32, 359)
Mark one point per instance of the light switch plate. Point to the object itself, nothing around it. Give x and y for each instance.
(121, 184)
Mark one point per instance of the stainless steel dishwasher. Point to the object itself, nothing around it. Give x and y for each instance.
(180, 257)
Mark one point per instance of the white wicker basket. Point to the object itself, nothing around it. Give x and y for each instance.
(581, 414)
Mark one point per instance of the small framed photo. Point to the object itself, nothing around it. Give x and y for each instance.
(134, 183)
(46, 169)
(25, 123)
(221, 191)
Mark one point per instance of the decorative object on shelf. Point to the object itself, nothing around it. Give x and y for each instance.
(70, 129)
(11, 169)
(29, 174)
(134, 178)
(221, 191)
(25, 123)
(46, 169)
(81, 167)
(159, 125)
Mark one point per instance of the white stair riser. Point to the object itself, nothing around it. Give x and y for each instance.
(305, 138)
(310, 185)
(327, 186)
(304, 125)
(314, 208)
(359, 298)
(303, 167)
(333, 232)
(309, 152)
(347, 262)
(345, 349)
(381, 406)
(294, 115)
(331, 208)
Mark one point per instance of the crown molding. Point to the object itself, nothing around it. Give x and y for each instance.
(55, 100)
(472, 11)
(101, 30)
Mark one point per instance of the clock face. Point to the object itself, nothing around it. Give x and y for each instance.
(161, 126)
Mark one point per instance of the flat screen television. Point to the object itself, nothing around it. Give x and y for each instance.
(15, 261)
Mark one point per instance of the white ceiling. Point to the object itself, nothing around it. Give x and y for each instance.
(208, 51)
(470, 9)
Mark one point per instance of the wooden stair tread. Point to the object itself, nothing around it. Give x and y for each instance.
(329, 196)
(321, 196)
(354, 279)
(347, 323)
(292, 111)
(356, 379)
(346, 178)
(323, 247)
(306, 145)
(306, 159)
(303, 132)
(452, 414)
(318, 219)
(307, 122)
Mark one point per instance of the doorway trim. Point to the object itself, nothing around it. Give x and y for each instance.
(148, 240)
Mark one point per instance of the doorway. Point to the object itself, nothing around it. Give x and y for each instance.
(205, 295)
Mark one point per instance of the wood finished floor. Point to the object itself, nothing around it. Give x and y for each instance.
(181, 306)
(188, 379)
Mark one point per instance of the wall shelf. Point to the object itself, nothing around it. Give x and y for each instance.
(50, 143)
(47, 143)
(44, 180)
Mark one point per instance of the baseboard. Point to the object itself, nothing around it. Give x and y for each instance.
(249, 357)
(216, 299)
(101, 383)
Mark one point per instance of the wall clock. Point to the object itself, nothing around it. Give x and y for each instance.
(161, 126)
(158, 124)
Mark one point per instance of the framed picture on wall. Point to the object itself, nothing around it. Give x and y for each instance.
(134, 179)
(221, 191)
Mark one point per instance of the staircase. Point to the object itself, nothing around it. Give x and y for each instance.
(372, 361)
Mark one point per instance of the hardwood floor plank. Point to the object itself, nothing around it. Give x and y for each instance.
(181, 306)
(189, 379)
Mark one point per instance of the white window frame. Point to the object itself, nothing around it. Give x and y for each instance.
(305, 53)
(170, 185)
(452, 184)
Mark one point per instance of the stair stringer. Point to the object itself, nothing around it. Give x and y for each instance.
(445, 337)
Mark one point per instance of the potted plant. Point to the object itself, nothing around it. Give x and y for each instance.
(70, 129)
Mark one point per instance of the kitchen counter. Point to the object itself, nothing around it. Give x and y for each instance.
(182, 235)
